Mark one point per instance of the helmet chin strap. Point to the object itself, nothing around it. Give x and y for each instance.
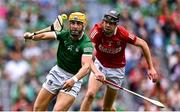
(84, 27)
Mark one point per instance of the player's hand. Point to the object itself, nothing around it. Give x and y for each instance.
(68, 84)
(100, 76)
(152, 74)
(28, 35)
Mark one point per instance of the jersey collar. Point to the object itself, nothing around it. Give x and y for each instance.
(81, 36)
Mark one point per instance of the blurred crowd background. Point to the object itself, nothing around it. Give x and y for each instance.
(24, 65)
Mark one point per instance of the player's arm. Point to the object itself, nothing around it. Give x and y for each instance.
(132, 39)
(98, 74)
(144, 46)
(83, 71)
(94, 38)
(86, 60)
(47, 33)
(86, 64)
(41, 36)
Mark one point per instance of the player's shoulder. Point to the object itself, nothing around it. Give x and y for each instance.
(85, 41)
(84, 37)
(62, 35)
(121, 28)
(62, 32)
(97, 26)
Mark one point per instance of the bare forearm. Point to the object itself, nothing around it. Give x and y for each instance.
(152, 74)
(147, 54)
(44, 36)
(83, 71)
(143, 45)
(93, 68)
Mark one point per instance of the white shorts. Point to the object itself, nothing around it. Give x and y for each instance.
(56, 79)
(115, 75)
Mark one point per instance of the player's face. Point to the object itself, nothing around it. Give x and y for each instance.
(109, 27)
(76, 28)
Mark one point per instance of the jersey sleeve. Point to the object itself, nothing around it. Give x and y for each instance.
(61, 34)
(88, 48)
(129, 37)
(94, 33)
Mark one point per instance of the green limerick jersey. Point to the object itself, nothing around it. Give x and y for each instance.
(70, 51)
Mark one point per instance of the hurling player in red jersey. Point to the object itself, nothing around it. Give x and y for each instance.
(110, 41)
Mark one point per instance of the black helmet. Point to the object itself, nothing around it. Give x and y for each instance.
(112, 16)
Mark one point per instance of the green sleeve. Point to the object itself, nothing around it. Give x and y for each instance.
(88, 48)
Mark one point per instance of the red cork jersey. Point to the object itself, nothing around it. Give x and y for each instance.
(110, 51)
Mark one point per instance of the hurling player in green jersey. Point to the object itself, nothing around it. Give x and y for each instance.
(74, 57)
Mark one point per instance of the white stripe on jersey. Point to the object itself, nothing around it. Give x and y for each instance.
(93, 33)
(87, 55)
(131, 36)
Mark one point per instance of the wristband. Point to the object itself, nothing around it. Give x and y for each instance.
(75, 79)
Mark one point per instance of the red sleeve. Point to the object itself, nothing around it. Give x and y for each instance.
(94, 33)
(129, 37)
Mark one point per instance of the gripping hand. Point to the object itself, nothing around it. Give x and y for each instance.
(28, 35)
